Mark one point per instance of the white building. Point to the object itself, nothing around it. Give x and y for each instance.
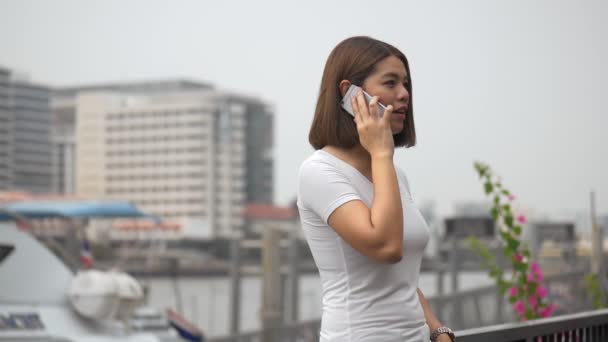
(187, 153)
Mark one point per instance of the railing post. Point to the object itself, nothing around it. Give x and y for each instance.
(235, 283)
(454, 264)
(271, 289)
(293, 279)
(457, 299)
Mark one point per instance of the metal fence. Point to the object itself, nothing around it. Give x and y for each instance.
(485, 306)
(299, 332)
(591, 326)
(480, 307)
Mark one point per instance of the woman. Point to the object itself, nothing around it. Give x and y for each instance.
(366, 236)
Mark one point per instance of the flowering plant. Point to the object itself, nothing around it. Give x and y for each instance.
(524, 286)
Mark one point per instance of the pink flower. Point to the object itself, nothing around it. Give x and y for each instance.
(519, 257)
(513, 292)
(531, 278)
(519, 307)
(535, 268)
(533, 302)
(548, 311)
(511, 198)
(541, 292)
(537, 271)
(522, 219)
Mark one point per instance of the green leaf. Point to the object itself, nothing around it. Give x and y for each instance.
(526, 253)
(513, 244)
(520, 282)
(517, 230)
(532, 286)
(479, 167)
(520, 267)
(496, 200)
(509, 220)
(494, 213)
(506, 192)
(507, 252)
(488, 187)
(512, 300)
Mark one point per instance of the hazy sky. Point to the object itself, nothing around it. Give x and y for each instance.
(518, 84)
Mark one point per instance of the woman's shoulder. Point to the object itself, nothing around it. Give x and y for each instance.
(318, 161)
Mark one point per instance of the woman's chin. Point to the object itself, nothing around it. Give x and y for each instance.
(397, 128)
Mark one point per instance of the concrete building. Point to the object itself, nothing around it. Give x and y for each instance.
(6, 115)
(25, 123)
(179, 150)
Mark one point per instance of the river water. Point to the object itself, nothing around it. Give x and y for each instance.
(205, 300)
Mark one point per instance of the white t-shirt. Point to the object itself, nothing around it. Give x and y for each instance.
(363, 300)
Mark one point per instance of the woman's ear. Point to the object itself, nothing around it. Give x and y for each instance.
(344, 84)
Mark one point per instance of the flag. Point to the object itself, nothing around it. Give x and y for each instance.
(86, 257)
(185, 329)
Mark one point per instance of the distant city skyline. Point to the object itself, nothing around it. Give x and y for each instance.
(517, 85)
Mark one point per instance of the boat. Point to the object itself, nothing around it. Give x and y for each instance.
(44, 297)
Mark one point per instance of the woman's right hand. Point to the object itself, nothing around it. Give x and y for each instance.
(375, 132)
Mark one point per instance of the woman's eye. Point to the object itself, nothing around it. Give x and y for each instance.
(390, 83)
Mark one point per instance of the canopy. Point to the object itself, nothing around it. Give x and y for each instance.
(71, 209)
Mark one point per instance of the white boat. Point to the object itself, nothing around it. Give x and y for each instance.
(42, 299)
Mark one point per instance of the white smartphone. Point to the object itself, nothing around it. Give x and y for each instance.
(354, 90)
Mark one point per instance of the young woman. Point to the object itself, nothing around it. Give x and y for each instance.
(366, 236)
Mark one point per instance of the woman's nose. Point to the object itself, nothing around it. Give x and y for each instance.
(404, 94)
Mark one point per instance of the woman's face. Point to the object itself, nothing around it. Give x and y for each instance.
(390, 82)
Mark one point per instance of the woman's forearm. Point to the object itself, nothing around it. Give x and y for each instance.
(386, 210)
(430, 317)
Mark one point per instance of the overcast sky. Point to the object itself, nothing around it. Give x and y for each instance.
(518, 84)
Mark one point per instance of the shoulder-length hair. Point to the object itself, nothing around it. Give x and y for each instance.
(353, 59)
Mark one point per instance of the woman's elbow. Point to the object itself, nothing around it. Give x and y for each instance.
(391, 255)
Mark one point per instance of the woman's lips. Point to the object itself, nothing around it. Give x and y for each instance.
(399, 116)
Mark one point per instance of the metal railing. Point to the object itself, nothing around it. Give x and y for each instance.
(485, 306)
(591, 326)
(472, 309)
(298, 332)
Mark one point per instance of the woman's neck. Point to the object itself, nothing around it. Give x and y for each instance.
(357, 156)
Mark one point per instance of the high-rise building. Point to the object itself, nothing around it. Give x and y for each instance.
(63, 107)
(180, 150)
(6, 122)
(25, 123)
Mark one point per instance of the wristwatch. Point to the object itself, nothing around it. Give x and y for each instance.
(443, 330)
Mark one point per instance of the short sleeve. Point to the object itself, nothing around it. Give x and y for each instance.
(322, 188)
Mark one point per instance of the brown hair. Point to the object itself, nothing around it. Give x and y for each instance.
(353, 59)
